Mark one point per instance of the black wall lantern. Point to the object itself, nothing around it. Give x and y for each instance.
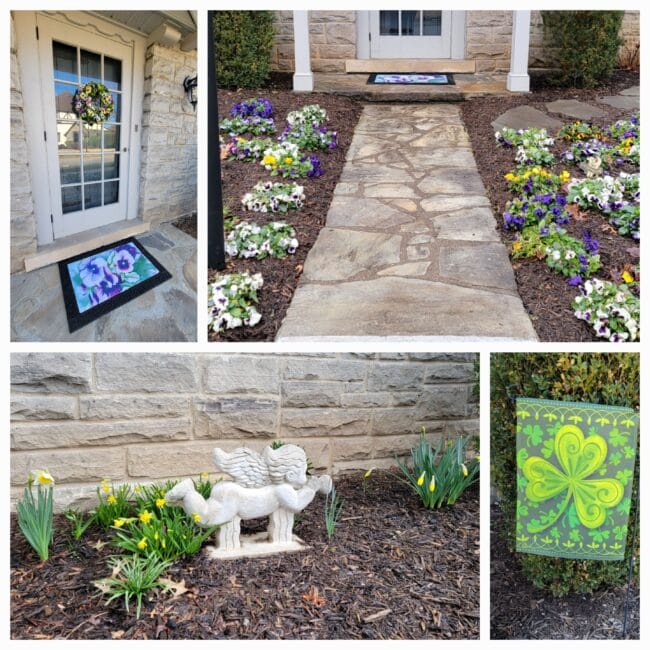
(190, 84)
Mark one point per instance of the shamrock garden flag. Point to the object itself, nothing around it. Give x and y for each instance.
(575, 466)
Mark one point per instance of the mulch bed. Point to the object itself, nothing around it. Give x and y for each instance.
(521, 611)
(281, 275)
(546, 295)
(393, 570)
(187, 225)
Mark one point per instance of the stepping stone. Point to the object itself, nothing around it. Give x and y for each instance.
(626, 102)
(632, 90)
(525, 117)
(575, 108)
(476, 224)
(451, 181)
(353, 212)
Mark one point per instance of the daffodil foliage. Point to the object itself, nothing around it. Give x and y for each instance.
(575, 467)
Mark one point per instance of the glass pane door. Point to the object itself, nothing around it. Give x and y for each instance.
(410, 23)
(410, 34)
(88, 155)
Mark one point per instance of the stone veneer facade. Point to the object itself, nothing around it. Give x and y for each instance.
(488, 36)
(145, 417)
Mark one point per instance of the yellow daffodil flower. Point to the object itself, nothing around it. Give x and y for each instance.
(43, 477)
(142, 544)
(137, 489)
(204, 475)
(163, 544)
(160, 503)
(197, 517)
(478, 456)
(368, 473)
(106, 487)
(155, 536)
(145, 517)
(464, 468)
(421, 479)
(432, 484)
(111, 499)
(118, 523)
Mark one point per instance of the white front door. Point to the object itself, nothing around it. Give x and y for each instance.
(410, 34)
(87, 164)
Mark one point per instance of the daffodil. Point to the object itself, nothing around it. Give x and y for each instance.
(106, 487)
(421, 479)
(142, 544)
(432, 484)
(111, 499)
(118, 523)
(43, 477)
(137, 489)
(197, 517)
(204, 475)
(145, 517)
(160, 503)
(368, 473)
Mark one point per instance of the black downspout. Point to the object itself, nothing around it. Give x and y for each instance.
(216, 254)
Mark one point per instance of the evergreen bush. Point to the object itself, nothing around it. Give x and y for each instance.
(612, 379)
(243, 42)
(588, 44)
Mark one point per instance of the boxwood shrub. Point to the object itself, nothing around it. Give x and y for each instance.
(603, 378)
(243, 42)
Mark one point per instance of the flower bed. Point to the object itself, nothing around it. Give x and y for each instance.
(305, 157)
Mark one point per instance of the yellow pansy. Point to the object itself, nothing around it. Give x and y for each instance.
(269, 160)
(627, 277)
(111, 499)
(288, 160)
(145, 517)
(516, 245)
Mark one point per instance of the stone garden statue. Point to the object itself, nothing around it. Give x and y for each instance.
(272, 484)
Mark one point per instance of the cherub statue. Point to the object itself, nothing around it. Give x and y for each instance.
(273, 483)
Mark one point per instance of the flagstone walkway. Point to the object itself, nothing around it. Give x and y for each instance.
(410, 249)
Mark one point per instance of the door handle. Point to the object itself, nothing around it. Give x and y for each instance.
(124, 150)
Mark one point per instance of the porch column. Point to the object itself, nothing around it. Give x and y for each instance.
(303, 78)
(518, 79)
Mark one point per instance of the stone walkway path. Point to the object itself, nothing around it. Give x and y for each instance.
(165, 313)
(410, 248)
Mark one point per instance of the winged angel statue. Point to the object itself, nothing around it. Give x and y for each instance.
(272, 484)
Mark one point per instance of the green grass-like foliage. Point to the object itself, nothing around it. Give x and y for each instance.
(611, 379)
(439, 475)
(243, 42)
(79, 523)
(35, 518)
(333, 510)
(132, 578)
(588, 43)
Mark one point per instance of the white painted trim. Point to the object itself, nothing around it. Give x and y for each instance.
(303, 78)
(518, 78)
(363, 34)
(458, 34)
(135, 139)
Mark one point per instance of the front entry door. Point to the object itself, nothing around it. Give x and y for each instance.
(87, 164)
(410, 34)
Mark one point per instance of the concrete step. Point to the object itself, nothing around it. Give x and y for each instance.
(67, 247)
(410, 65)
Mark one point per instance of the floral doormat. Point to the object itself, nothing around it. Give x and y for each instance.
(96, 282)
(426, 79)
(575, 468)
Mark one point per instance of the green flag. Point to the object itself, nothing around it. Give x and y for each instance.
(575, 466)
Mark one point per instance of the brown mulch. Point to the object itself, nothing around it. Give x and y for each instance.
(546, 295)
(520, 610)
(281, 276)
(393, 570)
(187, 225)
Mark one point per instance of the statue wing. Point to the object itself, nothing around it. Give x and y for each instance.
(245, 466)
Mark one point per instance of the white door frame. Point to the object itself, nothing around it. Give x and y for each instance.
(457, 34)
(36, 114)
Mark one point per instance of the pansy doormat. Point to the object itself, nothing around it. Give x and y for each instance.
(419, 79)
(96, 282)
(575, 468)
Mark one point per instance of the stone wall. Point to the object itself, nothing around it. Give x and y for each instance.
(23, 221)
(332, 38)
(143, 417)
(168, 165)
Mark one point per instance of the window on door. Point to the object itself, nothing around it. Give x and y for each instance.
(89, 155)
(410, 23)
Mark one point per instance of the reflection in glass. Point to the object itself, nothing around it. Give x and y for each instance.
(91, 69)
(410, 23)
(112, 73)
(92, 195)
(68, 136)
(64, 94)
(432, 23)
(117, 107)
(71, 198)
(70, 167)
(111, 137)
(111, 192)
(389, 23)
(65, 62)
(92, 137)
(111, 165)
(92, 168)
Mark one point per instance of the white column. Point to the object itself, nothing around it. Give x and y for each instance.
(303, 78)
(518, 79)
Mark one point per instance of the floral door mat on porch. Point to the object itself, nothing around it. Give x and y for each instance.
(408, 79)
(96, 282)
(575, 469)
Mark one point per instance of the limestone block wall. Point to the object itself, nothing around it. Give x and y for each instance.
(168, 163)
(144, 417)
(332, 37)
(22, 218)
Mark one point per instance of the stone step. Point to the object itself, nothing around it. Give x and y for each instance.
(410, 65)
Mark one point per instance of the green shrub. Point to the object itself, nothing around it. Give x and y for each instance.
(588, 43)
(611, 379)
(243, 41)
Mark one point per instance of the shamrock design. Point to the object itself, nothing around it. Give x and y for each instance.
(578, 457)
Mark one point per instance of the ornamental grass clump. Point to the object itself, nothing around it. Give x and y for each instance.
(333, 510)
(248, 240)
(35, 515)
(440, 475)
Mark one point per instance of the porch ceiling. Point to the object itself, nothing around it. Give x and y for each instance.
(148, 21)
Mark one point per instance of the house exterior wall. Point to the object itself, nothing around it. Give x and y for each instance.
(168, 163)
(145, 417)
(488, 38)
(22, 218)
